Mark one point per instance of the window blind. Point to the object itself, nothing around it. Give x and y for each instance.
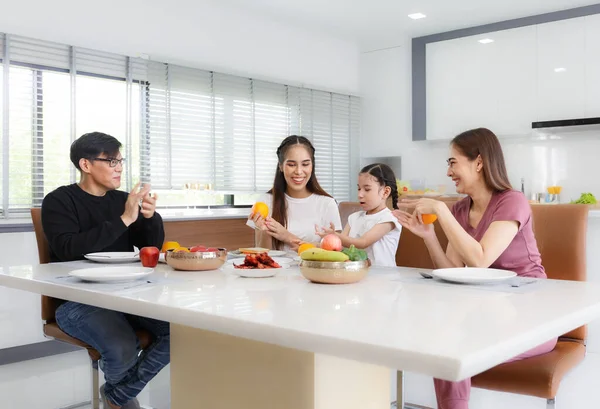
(240, 122)
(38, 120)
(57, 92)
(180, 126)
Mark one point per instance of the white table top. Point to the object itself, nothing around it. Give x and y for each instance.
(391, 318)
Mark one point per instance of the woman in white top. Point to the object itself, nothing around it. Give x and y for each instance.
(297, 202)
(375, 228)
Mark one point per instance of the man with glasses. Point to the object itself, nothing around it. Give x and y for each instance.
(93, 216)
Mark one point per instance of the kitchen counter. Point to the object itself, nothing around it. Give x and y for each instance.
(23, 224)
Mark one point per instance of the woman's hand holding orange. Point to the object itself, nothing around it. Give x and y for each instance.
(426, 210)
(258, 220)
(413, 223)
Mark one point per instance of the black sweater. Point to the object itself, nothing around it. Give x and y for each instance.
(76, 223)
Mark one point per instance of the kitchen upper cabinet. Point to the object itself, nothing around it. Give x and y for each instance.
(592, 66)
(470, 84)
(561, 79)
(455, 80)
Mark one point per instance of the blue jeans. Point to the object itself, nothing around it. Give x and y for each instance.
(112, 334)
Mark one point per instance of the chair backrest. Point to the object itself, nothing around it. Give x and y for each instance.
(346, 209)
(412, 251)
(49, 304)
(42, 243)
(560, 232)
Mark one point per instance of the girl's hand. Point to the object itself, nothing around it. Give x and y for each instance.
(274, 229)
(324, 231)
(413, 223)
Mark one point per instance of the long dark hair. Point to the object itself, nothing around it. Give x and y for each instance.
(385, 177)
(483, 142)
(279, 188)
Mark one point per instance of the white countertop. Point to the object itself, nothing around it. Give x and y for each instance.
(390, 318)
(166, 214)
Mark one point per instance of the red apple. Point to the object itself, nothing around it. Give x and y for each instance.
(196, 249)
(212, 249)
(331, 242)
(149, 256)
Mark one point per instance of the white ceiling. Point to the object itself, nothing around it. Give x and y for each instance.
(384, 23)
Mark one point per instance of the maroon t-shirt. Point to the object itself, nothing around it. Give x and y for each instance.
(522, 255)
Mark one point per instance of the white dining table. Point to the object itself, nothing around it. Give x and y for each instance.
(284, 342)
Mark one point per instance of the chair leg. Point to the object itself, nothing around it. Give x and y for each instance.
(95, 386)
(95, 401)
(400, 403)
(551, 403)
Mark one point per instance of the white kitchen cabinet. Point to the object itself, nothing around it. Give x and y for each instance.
(514, 80)
(561, 70)
(451, 87)
(470, 84)
(592, 66)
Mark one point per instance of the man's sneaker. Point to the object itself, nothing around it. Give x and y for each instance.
(132, 404)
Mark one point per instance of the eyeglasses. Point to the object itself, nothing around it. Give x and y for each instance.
(112, 162)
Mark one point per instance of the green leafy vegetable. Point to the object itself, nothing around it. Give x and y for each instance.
(355, 254)
(585, 198)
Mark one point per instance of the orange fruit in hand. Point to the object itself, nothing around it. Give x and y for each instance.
(260, 208)
(428, 218)
(169, 245)
(305, 246)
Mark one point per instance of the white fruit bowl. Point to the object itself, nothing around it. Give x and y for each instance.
(334, 272)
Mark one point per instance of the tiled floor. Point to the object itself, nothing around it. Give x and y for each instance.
(55, 382)
(62, 380)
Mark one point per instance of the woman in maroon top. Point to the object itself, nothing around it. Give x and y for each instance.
(491, 227)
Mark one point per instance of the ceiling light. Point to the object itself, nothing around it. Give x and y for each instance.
(560, 69)
(417, 16)
(486, 41)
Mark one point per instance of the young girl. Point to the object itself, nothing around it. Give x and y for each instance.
(297, 201)
(375, 228)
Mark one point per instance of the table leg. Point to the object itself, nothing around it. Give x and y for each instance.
(216, 371)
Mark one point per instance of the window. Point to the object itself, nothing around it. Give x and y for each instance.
(195, 135)
(224, 131)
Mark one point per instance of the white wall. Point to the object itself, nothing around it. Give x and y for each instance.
(200, 34)
(20, 320)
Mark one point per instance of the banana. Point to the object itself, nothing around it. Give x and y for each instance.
(317, 254)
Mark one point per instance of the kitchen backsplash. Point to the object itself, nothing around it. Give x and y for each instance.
(570, 162)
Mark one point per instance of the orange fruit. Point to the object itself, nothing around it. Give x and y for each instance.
(304, 247)
(182, 250)
(428, 218)
(169, 245)
(261, 208)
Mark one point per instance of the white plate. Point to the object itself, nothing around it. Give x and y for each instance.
(114, 257)
(271, 253)
(111, 274)
(472, 275)
(253, 272)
